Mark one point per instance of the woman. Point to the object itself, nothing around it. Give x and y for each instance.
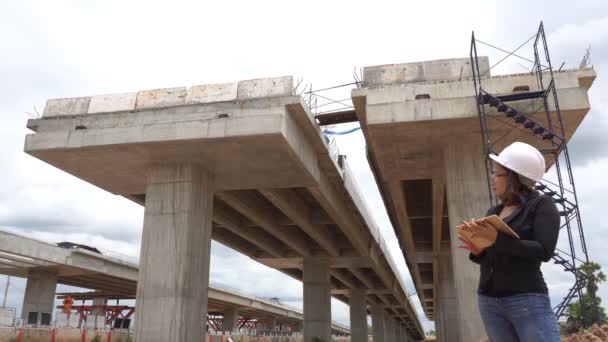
(513, 297)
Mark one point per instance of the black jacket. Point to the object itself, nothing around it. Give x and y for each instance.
(512, 266)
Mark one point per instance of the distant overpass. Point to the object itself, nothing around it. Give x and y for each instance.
(26, 257)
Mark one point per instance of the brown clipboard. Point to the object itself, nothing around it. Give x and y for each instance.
(500, 225)
(494, 221)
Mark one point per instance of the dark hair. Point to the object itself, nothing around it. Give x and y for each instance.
(515, 189)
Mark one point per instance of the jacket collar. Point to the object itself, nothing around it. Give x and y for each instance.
(524, 201)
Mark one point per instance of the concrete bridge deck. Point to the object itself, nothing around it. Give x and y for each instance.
(421, 125)
(113, 278)
(242, 163)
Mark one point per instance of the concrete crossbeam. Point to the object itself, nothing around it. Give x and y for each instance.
(248, 206)
(295, 208)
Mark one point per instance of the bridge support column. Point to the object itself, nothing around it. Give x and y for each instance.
(447, 322)
(389, 328)
(272, 324)
(99, 302)
(378, 323)
(174, 261)
(39, 298)
(98, 313)
(317, 300)
(467, 197)
(231, 320)
(399, 332)
(358, 315)
(406, 335)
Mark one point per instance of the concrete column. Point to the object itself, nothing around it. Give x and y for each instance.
(378, 323)
(99, 302)
(447, 322)
(39, 295)
(389, 324)
(467, 197)
(272, 323)
(230, 320)
(98, 314)
(317, 300)
(358, 315)
(173, 274)
(399, 332)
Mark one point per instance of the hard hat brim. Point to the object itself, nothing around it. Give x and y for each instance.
(497, 159)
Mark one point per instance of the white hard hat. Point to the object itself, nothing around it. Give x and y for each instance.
(523, 159)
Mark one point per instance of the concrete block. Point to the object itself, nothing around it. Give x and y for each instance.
(7, 317)
(67, 106)
(160, 98)
(212, 93)
(439, 70)
(112, 103)
(265, 87)
(62, 320)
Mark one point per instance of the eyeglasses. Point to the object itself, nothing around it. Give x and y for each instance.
(496, 174)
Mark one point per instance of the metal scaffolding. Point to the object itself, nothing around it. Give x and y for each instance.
(545, 124)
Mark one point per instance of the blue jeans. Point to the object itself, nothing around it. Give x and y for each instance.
(524, 317)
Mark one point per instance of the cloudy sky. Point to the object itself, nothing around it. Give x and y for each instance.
(78, 48)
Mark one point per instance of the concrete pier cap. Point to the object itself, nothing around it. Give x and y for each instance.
(201, 122)
(422, 132)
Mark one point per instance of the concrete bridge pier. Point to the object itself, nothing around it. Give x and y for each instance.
(389, 325)
(281, 197)
(398, 336)
(398, 332)
(317, 300)
(272, 324)
(39, 298)
(378, 323)
(424, 141)
(174, 262)
(231, 320)
(447, 321)
(358, 315)
(467, 196)
(99, 302)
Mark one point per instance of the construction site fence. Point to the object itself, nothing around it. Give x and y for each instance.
(14, 334)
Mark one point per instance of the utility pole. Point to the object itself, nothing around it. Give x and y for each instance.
(8, 283)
